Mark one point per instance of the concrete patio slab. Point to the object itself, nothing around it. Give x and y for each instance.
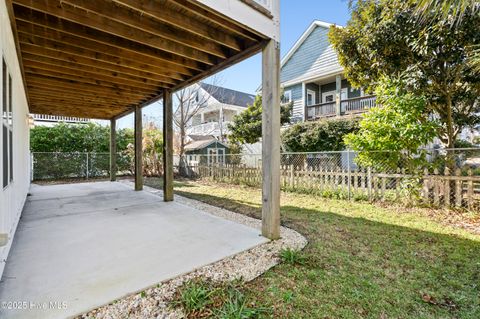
(79, 246)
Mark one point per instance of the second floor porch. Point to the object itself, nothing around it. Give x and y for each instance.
(325, 97)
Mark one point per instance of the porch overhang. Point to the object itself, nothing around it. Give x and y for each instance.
(102, 59)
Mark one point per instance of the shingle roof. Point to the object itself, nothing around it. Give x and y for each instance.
(228, 96)
(196, 145)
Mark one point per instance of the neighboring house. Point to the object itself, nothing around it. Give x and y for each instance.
(51, 120)
(313, 80)
(205, 150)
(221, 106)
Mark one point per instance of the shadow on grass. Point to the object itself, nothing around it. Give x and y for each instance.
(359, 268)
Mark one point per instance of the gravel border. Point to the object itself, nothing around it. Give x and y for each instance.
(154, 301)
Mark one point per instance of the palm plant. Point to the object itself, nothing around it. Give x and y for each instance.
(454, 9)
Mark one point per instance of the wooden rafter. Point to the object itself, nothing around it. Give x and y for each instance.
(103, 59)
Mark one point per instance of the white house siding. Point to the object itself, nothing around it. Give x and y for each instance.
(298, 109)
(12, 197)
(314, 57)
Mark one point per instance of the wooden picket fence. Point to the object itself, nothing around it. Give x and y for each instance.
(440, 190)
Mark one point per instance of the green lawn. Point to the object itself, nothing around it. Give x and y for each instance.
(362, 260)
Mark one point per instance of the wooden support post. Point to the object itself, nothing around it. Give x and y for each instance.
(271, 140)
(338, 94)
(167, 146)
(113, 150)
(138, 149)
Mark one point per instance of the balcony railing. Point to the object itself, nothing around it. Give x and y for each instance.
(350, 106)
(322, 110)
(358, 104)
(211, 128)
(55, 118)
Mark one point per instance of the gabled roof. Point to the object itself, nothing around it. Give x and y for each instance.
(316, 23)
(228, 96)
(197, 145)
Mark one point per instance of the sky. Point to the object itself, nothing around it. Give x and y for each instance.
(246, 76)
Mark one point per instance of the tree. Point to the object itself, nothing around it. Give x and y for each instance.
(318, 136)
(387, 38)
(391, 136)
(189, 101)
(246, 127)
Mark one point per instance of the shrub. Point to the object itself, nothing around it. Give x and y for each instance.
(318, 136)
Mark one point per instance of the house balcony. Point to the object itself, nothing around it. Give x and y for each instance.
(350, 106)
(211, 128)
(56, 118)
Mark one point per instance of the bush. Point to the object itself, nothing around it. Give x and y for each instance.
(318, 136)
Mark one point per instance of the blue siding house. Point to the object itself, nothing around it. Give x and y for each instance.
(313, 80)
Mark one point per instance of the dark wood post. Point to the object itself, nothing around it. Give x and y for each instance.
(167, 146)
(271, 140)
(138, 149)
(113, 150)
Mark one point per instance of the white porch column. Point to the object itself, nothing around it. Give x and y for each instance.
(271, 140)
(338, 94)
(138, 149)
(304, 102)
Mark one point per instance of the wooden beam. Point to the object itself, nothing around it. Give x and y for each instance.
(138, 149)
(64, 97)
(165, 69)
(157, 11)
(73, 85)
(167, 146)
(271, 140)
(53, 64)
(50, 23)
(94, 20)
(89, 59)
(198, 10)
(113, 150)
(141, 21)
(221, 66)
(86, 112)
(84, 96)
(89, 80)
(88, 72)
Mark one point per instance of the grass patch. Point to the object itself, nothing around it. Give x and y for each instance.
(203, 299)
(362, 260)
(292, 257)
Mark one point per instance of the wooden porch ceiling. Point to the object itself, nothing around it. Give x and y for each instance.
(99, 59)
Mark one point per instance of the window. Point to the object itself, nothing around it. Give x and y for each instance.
(287, 97)
(328, 97)
(311, 97)
(7, 126)
(216, 156)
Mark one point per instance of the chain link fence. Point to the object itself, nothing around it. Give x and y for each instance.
(58, 166)
(434, 177)
(438, 177)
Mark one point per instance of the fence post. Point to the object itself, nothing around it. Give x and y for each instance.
(446, 188)
(426, 187)
(32, 167)
(349, 175)
(470, 189)
(87, 166)
(458, 188)
(292, 176)
(369, 182)
(436, 188)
